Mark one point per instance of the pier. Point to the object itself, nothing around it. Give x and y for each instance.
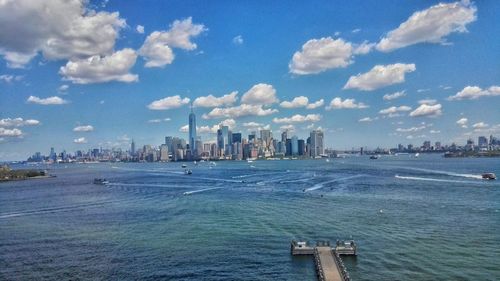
(329, 265)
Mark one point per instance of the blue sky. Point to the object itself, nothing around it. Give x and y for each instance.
(80, 75)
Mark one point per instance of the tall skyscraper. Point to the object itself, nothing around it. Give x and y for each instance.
(316, 143)
(192, 131)
(132, 148)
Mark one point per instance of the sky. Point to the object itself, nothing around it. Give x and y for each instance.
(84, 74)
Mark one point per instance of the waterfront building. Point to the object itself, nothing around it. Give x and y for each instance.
(164, 153)
(317, 148)
(295, 146)
(482, 142)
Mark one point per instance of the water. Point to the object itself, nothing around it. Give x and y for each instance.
(413, 219)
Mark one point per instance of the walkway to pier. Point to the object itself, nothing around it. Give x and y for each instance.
(327, 267)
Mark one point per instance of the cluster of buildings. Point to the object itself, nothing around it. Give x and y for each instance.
(483, 144)
(229, 145)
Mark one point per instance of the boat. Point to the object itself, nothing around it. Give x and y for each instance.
(489, 176)
(417, 155)
(100, 181)
(184, 166)
(374, 157)
(188, 172)
(249, 161)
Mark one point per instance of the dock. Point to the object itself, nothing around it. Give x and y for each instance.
(329, 265)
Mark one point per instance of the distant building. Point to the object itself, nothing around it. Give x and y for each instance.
(295, 146)
(316, 139)
(482, 142)
(164, 153)
(192, 131)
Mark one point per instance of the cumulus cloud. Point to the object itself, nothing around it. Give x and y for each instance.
(140, 29)
(157, 48)
(238, 40)
(462, 122)
(297, 118)
(363, 48)
(411, 129)
(239, 111)
(394, 95)
(80, 140)
(380, 76)
(431, 25)
(168, 103)
(8, 78)
(58, 29)
(318, 55)
(159, 120)
(365, 119)
(393, 111)
(55, 100)
(63, 88)
(427, 101)
(338, 103)
(252, 124)
(302, 101)
(480, 125)
(212, 101)
(10, 132)
(427, 110)
(475, 92)
(289, 128)
(231, 123)
(260, 94)
(84, 128)
(97, 69)
(18, 122)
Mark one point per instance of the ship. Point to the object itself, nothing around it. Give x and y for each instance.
(374, 157)
(489, 176)
(100, 181)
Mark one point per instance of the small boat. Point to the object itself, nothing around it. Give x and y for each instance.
(184, 166)
(101, 181)
(489, 176)
(374, 157)
(417, 155)
(188, 172)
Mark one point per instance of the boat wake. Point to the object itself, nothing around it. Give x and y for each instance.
(201, 190)
(470, 176)
(322, 184)
(432, 179)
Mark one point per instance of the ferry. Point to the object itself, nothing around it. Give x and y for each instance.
(101, 181)
(489, 176)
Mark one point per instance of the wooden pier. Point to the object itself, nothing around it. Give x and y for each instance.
(329, 265)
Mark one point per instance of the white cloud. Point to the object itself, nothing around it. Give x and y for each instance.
(252, 124)
(159, 120)
(8, 78)
(212, 101)
(10, 132)
(84, 128)
(394, 95)
(394, 111)
(238, 40)
(318, 55)
(480, 125)
(427, 110)
(412, 129)
(231, 123)
(356, 30)
(475, 92)
(289, 128)
(63, 88)
(427, 101)
(363, 48)
(431, 25)
(434, 131)
(380, 76)
(80, 140)
(168, 103)
(316, 104)
(59, 29)
(462, 122)
(55, 100)
(157, 48)
(260, 94)
(297, 118)
(140, 29)
(97, 69)
(365, 119)
(239, 111)
(338, 103)
(18, 122)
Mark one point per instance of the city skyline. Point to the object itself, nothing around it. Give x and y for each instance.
(348, 69)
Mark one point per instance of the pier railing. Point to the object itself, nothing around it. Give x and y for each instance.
(342, 269)
(319, 268)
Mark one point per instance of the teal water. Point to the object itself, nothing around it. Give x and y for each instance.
(426, 218)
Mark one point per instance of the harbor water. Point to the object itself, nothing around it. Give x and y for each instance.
(426, 218)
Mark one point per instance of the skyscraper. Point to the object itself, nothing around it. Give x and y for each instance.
(316, 143)
(192, 131)
(132, 148)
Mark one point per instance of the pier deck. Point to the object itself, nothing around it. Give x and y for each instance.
(327, 265)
